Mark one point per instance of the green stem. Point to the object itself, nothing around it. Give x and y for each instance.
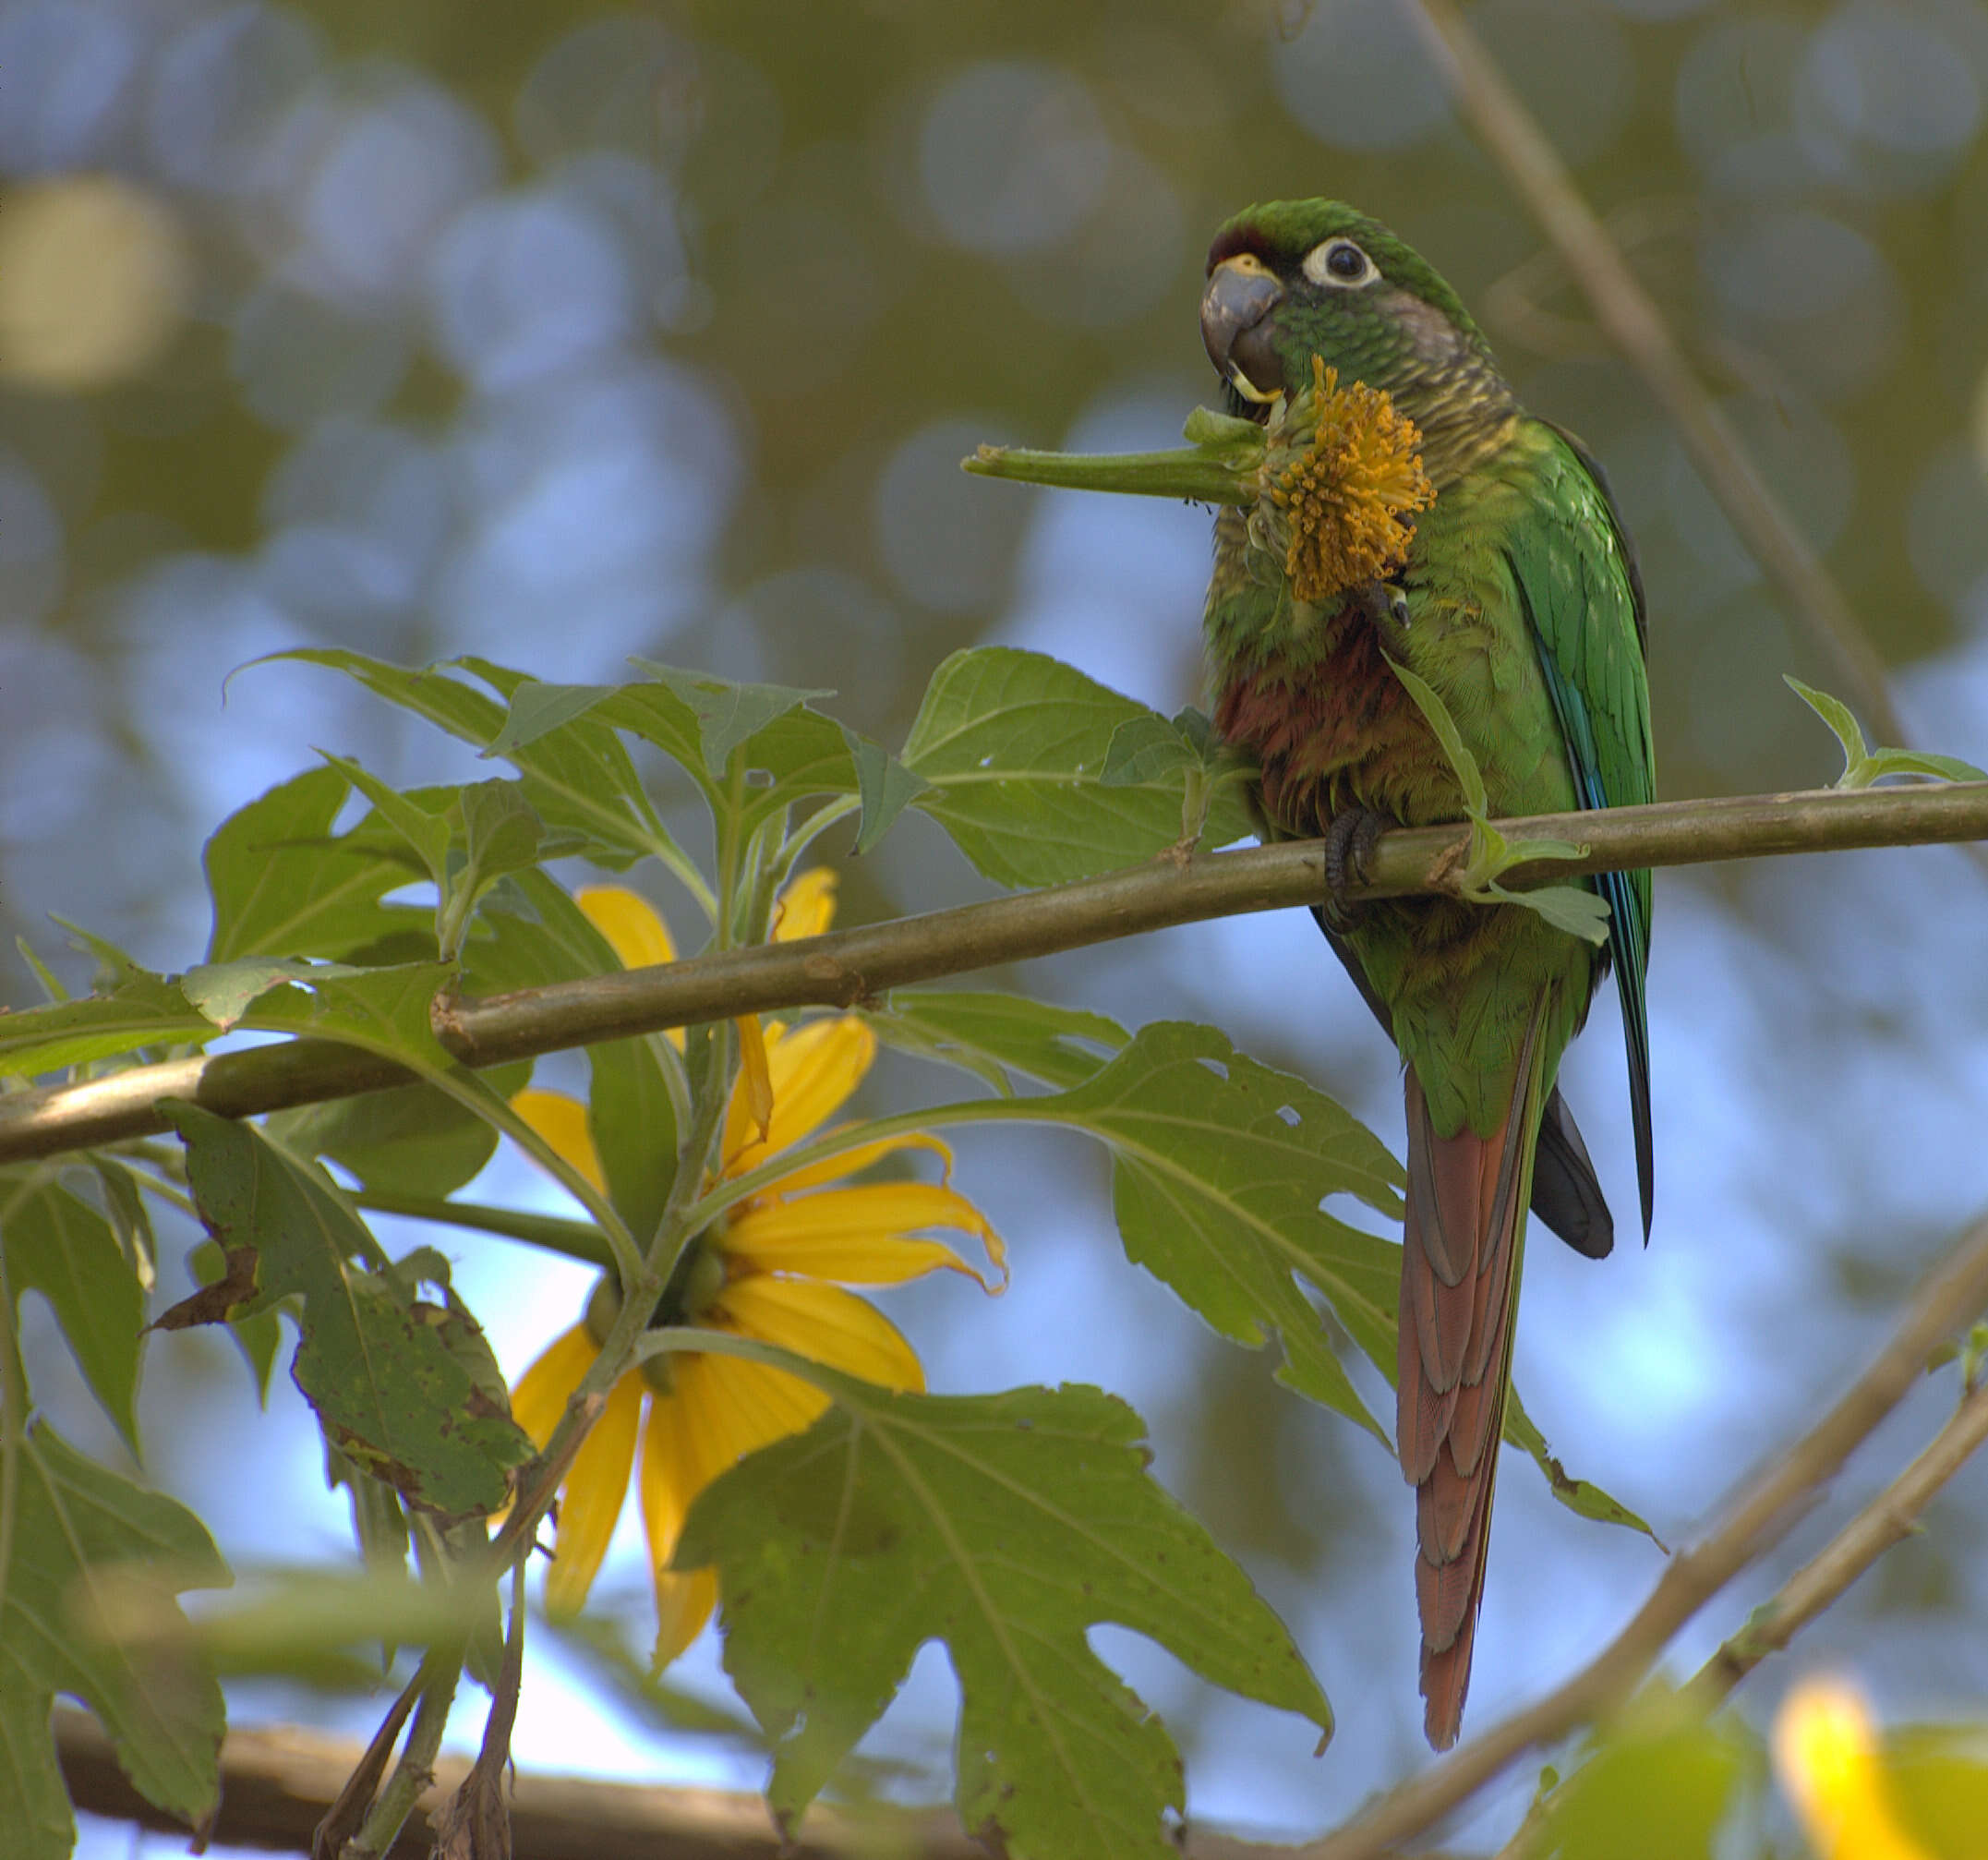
(416, 1769)
(1182, 472)
(577, 1239)
(814, 827)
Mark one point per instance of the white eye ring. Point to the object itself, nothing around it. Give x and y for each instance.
(1321, 269)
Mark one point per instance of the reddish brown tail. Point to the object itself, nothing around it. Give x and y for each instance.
(1466, 1194)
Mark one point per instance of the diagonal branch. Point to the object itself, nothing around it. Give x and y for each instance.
(1520, 148)
(1889, 1518)
(849, 967)
(1757, 1518)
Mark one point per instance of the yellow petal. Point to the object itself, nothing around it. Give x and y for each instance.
(861, 1236)
(671, 1480)
(854, 1162)
(822, 1321)
(755, 1081)
(629, 921)
(590, 1501)
(721, 1409)
(543, 1390)
(561, 1120)
(815, 1069)
(683, 1603)
(1825, 1753)
(807, 907)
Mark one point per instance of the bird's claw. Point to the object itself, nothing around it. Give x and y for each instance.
(1349, 840)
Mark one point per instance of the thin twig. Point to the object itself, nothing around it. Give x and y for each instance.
(1757, 1518)
(849, 967)
(1888, 1518)
(1515, 140)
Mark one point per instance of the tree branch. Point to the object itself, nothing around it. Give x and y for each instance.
(1633, 322)
(1886, 1520)
(849, 967)
(276, 1784)
(1752, 1524)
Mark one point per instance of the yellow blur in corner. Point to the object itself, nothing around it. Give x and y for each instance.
(1827, 1757)
(94, 279)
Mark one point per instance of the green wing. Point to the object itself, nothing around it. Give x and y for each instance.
(1577, 577)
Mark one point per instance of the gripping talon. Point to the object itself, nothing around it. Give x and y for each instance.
(1349, 841)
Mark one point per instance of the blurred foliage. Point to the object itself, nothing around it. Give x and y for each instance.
(862, 234)
(561, 332)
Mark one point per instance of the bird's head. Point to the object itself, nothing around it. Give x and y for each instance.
(1294, 279)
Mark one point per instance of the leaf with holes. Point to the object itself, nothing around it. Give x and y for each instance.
(1220, 1167)
(1005, 1526)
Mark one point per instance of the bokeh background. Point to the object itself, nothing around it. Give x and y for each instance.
(557, 331)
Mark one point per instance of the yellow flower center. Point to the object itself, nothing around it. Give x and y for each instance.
(1345, 492)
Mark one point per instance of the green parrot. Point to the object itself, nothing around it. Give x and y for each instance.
(1517, 599)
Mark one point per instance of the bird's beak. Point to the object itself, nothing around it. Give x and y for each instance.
(1235, 307)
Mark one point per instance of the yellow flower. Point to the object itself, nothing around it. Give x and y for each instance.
(773, 1268)
(1825, 1753)
(1341, 470)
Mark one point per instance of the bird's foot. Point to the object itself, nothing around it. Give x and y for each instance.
(1349, 841)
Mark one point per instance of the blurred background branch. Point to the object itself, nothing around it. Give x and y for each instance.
(1757, 1517)
(1524, 153)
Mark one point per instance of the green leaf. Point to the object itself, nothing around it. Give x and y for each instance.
(1005, 1526)
(123, 1206)
(1883, 762)
(1937, 1777)
(1436, 713)
(631, 1106)
(885, 785)
(1220, 1167)
(1659, 1788)
(995, 1034)
(389, 1390)
(576, 773)
(74, 1523)
(500, 828)
(426, 832)
(414, 1140)
(1566, 907)
(1014, 745)
(1862, 765)
(727, 714)
(141, 1009)
(537, 710)
(1145, 749)
(282, 885)
(1837, 715)
(58, 1245)
(223, 991)
(1579, 1495)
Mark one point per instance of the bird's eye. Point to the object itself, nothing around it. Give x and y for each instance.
(1341, 263)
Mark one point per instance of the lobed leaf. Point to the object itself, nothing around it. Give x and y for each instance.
(1221, 1167)
(1005, 1526)
(55, 1243)
(76, 1526)
(995, 1036)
